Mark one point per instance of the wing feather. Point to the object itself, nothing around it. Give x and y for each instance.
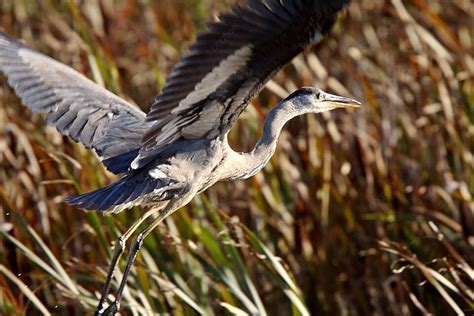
(76, 106)
(229, 64)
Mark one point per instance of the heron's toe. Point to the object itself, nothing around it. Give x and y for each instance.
(112, 309)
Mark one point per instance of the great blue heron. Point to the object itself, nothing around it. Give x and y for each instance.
(180, 147)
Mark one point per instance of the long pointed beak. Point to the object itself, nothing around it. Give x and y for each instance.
(341, 102)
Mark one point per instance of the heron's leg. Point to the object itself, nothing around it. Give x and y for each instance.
(115, 306)
(119, 248)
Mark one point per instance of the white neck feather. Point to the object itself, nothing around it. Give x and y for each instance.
(245, 165)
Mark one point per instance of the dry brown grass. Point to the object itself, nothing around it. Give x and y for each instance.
(360, 212)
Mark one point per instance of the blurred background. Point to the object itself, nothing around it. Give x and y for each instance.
(360, 212)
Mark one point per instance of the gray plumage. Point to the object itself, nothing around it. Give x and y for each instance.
(229, 64)
(76, 106)
(179, 148)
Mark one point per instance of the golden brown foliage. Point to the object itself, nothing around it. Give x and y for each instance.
(360, 212)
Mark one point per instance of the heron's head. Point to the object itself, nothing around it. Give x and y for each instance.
(313, 100)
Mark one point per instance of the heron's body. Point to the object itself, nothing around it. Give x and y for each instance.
(179, 148)
(186, 167)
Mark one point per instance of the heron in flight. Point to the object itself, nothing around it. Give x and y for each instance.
(179, 148)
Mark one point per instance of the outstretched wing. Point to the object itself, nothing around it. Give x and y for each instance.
(75, 105)
(230, 63)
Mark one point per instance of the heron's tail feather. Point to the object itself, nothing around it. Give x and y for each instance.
(129, 191)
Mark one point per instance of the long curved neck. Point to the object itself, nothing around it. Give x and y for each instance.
(245, 165)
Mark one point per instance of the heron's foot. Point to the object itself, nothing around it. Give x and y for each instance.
(100, 309)
(109, 311)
